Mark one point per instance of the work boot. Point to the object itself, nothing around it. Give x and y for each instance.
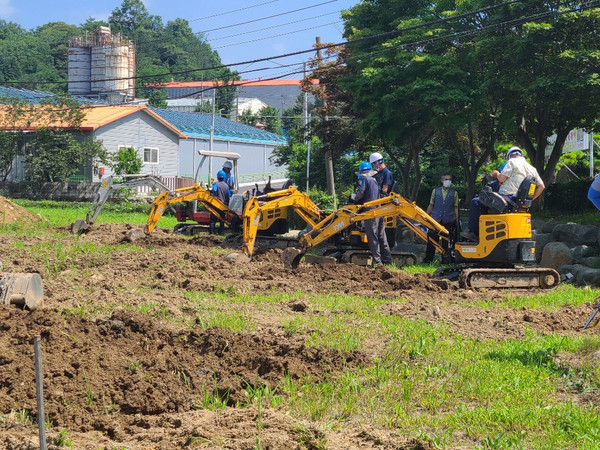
(469, 236)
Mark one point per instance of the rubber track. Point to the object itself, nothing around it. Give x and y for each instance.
(516, 278)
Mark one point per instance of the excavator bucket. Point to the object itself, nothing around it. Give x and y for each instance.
(21, 289)
(291, 257)
(79, 226)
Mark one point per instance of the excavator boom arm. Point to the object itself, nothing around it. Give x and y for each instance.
(392, 205)
(196, 192)
(257, 206)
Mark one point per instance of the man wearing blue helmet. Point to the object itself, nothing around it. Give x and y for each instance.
(222, 192)
(368, 190)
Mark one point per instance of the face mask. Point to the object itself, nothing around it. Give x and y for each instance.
(447, 183)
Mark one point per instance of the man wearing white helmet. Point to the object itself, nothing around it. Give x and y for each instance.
(227, 166)
(514, 172)
(384, 176)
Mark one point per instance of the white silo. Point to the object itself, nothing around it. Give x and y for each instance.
(105, 66)
(79, 70)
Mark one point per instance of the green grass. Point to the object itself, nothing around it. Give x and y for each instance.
(60, 214)
(563, 295)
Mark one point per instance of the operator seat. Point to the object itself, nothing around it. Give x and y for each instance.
(497, 204)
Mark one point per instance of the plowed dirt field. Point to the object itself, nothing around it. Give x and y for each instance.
(128, 364)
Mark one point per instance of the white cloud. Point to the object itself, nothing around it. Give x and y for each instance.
(6, 9)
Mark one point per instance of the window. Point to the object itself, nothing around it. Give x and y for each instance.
(150, 155)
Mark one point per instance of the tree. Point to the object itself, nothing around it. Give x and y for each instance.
(126, 161)
(55, 155)
(550, 82)
(9, 149)
(269, 117)
(158, 99)
(248, 117)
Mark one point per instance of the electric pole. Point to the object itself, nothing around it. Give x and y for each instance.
(328, 157)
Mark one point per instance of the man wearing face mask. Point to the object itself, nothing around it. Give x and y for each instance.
(443, 207)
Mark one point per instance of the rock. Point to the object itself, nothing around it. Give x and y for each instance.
(573, 234)
(537, 224)
(237, 257)
(556, 254)
(320, 260)
(588, 277)
(134, 235)
(548, 227)
(582, 251)
(592, 261)
(541, 239)
(572, 269)
(298, 305)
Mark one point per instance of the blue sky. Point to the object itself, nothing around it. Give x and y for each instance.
(290, 31)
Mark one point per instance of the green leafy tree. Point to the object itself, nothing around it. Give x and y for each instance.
(126, 161)
(9, 149)
(158, 99)
(269, 117)
(248, 117)
(55, 155)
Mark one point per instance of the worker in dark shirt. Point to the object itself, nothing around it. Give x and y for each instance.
(385, 180)
(220, 189)
(368, 191)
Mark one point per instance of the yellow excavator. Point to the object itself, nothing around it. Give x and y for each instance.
(347, 244)
(503, 257)
(195, 193)
(231, 214)
(262, 211)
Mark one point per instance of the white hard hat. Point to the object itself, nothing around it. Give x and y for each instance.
(513, 151)
(375, 157)
(227, 165)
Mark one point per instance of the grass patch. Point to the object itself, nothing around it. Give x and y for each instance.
(439, 388)
(563, 295)
(61, 213)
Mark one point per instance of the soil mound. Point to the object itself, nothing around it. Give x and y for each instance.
(12, 213)
(127, 364)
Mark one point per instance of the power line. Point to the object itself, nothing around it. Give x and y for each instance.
(233, 11)
(274, 26)
(267, 17)
(584, 6)
(276, 35)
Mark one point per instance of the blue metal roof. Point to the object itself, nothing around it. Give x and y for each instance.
(36, 97)
(194, 124)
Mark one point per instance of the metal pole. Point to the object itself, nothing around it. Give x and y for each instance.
(212, 132)
(39, 384)
(591, 155)
(306, 140)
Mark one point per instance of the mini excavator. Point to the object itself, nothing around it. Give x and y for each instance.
(347, 243)
(195, 193)
(107, 187)
(230, 214)
(503, 257)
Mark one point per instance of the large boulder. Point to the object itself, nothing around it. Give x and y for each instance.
(556, 254)
(588, 277)
(541, 239)
(583, 251)
(570, 271)
(574, 234)
(591, 261)
(548, 227)
(537, 224)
